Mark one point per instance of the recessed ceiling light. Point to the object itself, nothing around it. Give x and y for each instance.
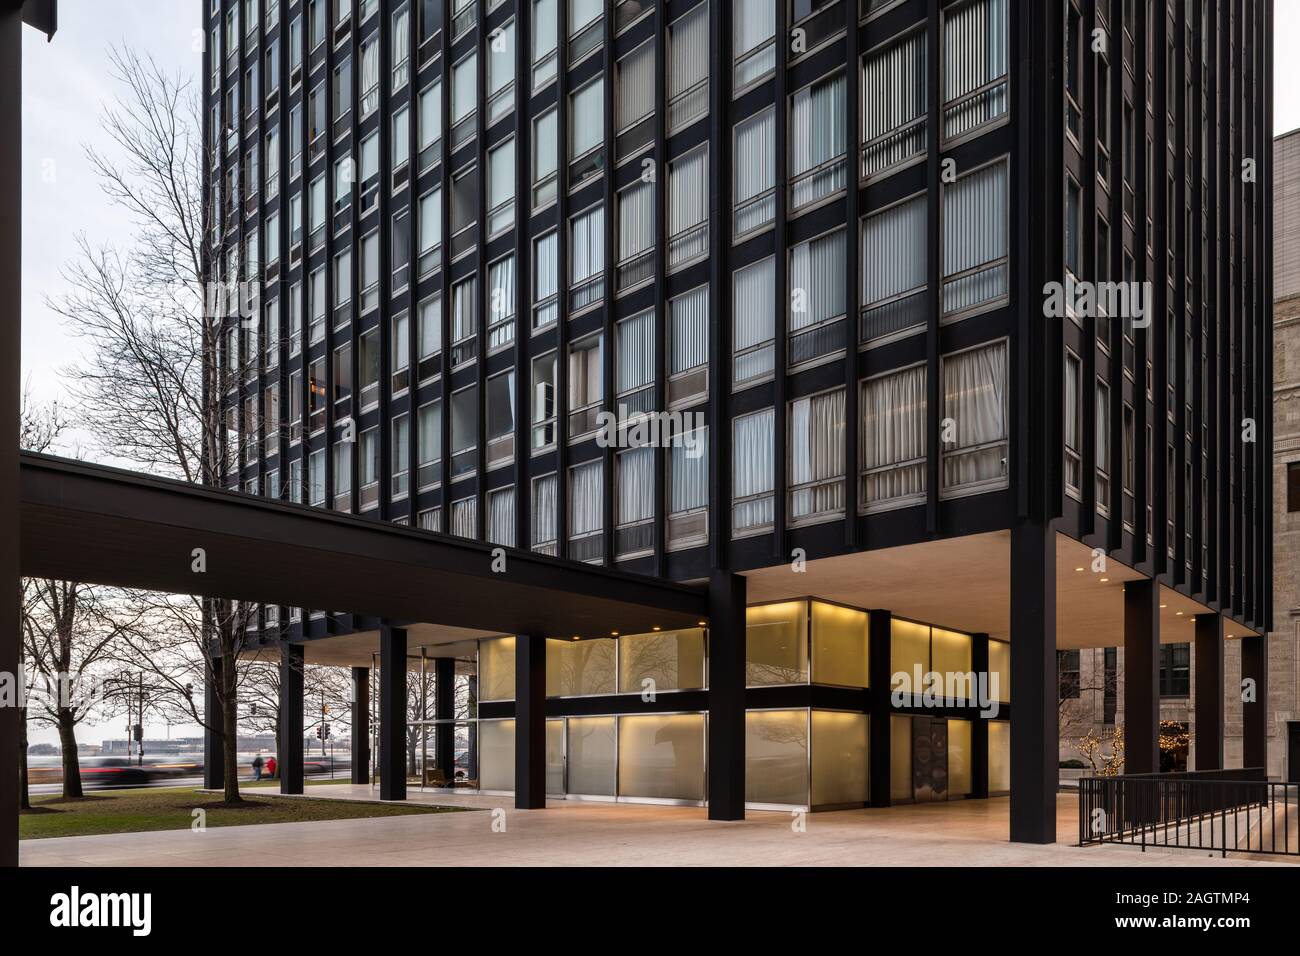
(613, 633)
(1078, 569)
(576, 637)
(702, 623)
(1104, 580)
(655, 628)
(1164, 605)
(1179, 613)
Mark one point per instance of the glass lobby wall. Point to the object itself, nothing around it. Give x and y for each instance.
(661, 757)
(839, 759)
(496, 755)
(959, 758)
(999, 756)
(496, 669)
(805, 641)
(1000, 664)
(591, 760)
(662, 661)
(580, 668)
(776, 758)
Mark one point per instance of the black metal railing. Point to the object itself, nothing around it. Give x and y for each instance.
(1237, 810)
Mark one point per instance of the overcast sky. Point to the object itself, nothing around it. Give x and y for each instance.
(64, 87)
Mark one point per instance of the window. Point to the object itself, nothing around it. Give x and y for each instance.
(587, 512)
(817, 298)
(1073, 204)
(1073, 423)
(401, 344)
(1102, 451)
(430, 337)
(816, 449)
(755, 158)
(464, 321)
(688, 207)
(272, 168)
(975, 398)
(818, 131)
(369, 469)
(501, 516)
(894, 257)
(343, 373)
(401, 138)
(464, 98)
(369, 277)
(316, 212)
(892, 446)
(342, 287)
(975, 240)
(544, 519)
(344, 175)
(464, 432)
(585, 30)
(587, 259)
(975, 48)
(430, 123)
(1175, 670)
(428, 446)
(636, 234)
(753, 325)
(342, 461)
(634, 101)
(401, 47)
(543, 403)
(500, 72)
(342, 92)
(688, 489)
(295, 318)
(545, 41)
(501, 187)
(894, 104)
(688, 370)
(753, 472)
(546, 280)
(634, 373)
(545, 158)
(586, 385)
(634, 487)
(1067, 675)
(1128, 473)
(501, 419)
(369, 75)
(464, 209)
(688, 68)
(464, 518)
(430, 230)
(586, 132)
(754, 26)
(369, 172)
(368, 362)
(316, 478)
(401, 456)
(316, 305)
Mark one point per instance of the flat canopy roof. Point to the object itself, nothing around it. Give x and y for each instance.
(101, 525)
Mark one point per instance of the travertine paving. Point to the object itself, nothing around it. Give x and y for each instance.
(577, 833)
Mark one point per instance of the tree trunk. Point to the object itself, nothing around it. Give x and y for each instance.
(230, 729)
(24, 791)
(68, 745)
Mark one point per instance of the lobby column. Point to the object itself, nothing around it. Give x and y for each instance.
(1209, 692)
(726, 753)
(1254, 704)
(530, 722)
(879, 674)
(444, 711)
(291, 702)
(214, 754)
(1034, 731)
(361, 725)
(1141, 676)
(979, 726)
(392, 713)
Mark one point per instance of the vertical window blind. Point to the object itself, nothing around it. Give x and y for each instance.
(754, 27)
(753, 329)
(464, 517)
(893, 104)
(546, 278)
(688, 67)
(636, 354)
(975, 238)
(636, 485)
(688, 472)
(817, 456)
(755, 171)
(894, 269)
(975, 398)
(586, 498)
(753, 470)
(688, 207)
(818, 137)
(587, 254)
(690, 330)
(974, 65)
(636, 86)
(636, 233)
(893, 437)
(545, 504)
(501, 517)
(817, 291)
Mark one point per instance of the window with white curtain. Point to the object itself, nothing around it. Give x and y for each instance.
(464, 518)
(501, 303)
(975, 398)
(369, 75)
(544, 513)
(688, 207)
(501, 187)
(688, 489)
(894, 271)
(1072, 422)
(635, 99)
(636, 502)
(401, 47)
(755, 160)
(464, 321)
(586, 258)
(430, 336)
(500, 426)
(428, 445)
(543, 405)
(546, 38)
(818, 140)
(894, 103)
(753, 39)
(501, 516)
(688, 337)
(546, 157)
(753, 472)
(1101, 432)
(688, 67)
(546, 280)
(816, 462)
(634, 375)
(975, 46)
(500, 53)
(753, 321)
(636, 234)
(587, 511)
(893, 449)
(817, 298)
(975, 239)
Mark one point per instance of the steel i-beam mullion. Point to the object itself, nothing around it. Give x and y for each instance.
(660, 39)
(780, 385)
(720, 438)
(291, 722)
(392, 712)
(360, 712)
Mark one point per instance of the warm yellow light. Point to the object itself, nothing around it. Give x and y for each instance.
(655, 628)
(702, 623)
(576, 637)
(1179, 613)
(1105, 580)
(613, 633)
(1078, 569)
(1164, 605)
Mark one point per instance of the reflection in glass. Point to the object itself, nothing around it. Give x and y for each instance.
(496, 669)
(671, 660)
(496, 754)
(839, 758)
(959, 757)
(776, 644)
(591, 756)
(661, 756)
(839, 642)
(579, 668)
(999, 756)
(776, 757)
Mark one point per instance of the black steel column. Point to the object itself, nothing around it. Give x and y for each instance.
(444, 711)
(392, 713)
(1141, 676)
(979, 726)
(1034, 728)
(361, 725)
(726, 783)
(1209, 692)
(879, 675)
(530, 722)
(1254, 704)
(291, 703)
(214, 754)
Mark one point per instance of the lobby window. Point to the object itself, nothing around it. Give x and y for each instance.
(688, 68)
(401, 456)
(817, 299)
(634, 486)
(688, 207)
(500, 55)
(464, 99)
(501, 303)
(975, 53)
(586, 512)
(975, 241)
(634, 103)
(1073, 423)
(894, 115)
(754, 42)
(501, 419)
(586, 132)
(1102, 448)
(753, 472)
(894, 271)
(546, 280)
(501, 516)
(464, 321)
(546, 158)
(1175, 670)
(430, 124)
(818, 138)
(545, 31)
(636, 234)
(586, 259)
(688, 489)
(428, 445)
(430, 230)
(893, 443)
(816, 463)
(586, 385)
(586, 28)
(688, 367)
(1067, 675)
(369, 468)
(501, 187)
(1293, 486)
(634, 374)
(753, 292)
(543, 514)
(543, 402)
(464, 432)
(429, 337)
(975, 398)
(755, 161)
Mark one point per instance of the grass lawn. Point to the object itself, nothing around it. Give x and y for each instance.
(171, 808)
(309, 781)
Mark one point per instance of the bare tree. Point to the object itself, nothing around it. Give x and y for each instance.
(165, 336)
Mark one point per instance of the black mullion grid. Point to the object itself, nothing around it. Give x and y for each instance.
(284, 426)
(1115, 272)
(412, 261)
(780, 377)
(1196, 269)
(660, 154)
(1178, 572)
(481, 290)
(384, 225)
(611, 258)
(1087, 507)
(933, 293)
(562, 285)
(1156, 332)
(332, 338)
(1262, 148)
(304, 384)
(1214, 314)
(523, 19)
(1235, 325)
(1264, 85)
(444, 271)
(354, 271)
(720, 166)
(852, 277)
(1142, 273)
